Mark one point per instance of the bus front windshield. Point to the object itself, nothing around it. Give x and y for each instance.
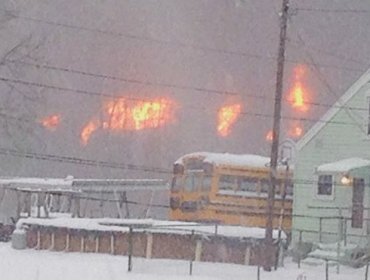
(192, 181)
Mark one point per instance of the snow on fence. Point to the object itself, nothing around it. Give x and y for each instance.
(148, 238)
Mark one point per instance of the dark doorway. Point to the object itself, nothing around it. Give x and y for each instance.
(358, 202)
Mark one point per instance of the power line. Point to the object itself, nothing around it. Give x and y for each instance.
(15, 118)
(252, 114)
(299, 119)
(114, 165)
(136, 37)
(168, 43)
(81, 161)
(298, 44)
(141, 82)
(342, 11)
(37, 84)
(325, 82)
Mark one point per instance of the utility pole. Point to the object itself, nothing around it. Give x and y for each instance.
(275, 137)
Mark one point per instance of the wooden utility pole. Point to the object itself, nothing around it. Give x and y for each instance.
(275, 136)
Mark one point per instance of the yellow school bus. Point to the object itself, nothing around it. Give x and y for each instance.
(229, 189)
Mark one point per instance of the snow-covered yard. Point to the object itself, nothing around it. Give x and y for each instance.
(45, 265)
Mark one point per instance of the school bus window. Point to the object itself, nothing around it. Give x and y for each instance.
(289, 188)
(176, 183)
(207, 181)
(248, 184)
(208, 168)
(265, 184)
(192, 181)
(228, 182)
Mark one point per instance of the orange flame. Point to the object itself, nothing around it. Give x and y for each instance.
(126, 115)
(297, 95)
(88, 129)
(296, 131)
(50, 122)
(227, 116)
(269, 136)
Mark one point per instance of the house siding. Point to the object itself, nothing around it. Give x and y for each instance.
(335, 141)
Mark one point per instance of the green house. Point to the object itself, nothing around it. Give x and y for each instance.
(332, 173)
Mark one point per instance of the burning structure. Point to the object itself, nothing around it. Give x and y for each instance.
(143, 85)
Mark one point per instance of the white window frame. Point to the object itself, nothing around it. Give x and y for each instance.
(316, 187)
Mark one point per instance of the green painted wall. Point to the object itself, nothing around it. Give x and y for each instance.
(336, 141)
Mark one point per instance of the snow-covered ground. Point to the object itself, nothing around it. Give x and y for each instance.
(44, 265)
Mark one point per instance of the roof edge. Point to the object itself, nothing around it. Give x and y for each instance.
(316, 128)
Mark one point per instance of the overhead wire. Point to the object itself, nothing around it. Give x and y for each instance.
(342, 11)
(114, 165)
(81, 161)
(321, 77)
(166, 42)
(113, 96)
(253, 114)
(91, 93)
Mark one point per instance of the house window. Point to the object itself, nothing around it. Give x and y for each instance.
(325, 185)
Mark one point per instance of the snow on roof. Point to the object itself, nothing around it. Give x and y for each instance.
(65, 222)
(324, 120)
(229, 159)
(344, 165)
(36, 181)
(85, 184)
(149, 225)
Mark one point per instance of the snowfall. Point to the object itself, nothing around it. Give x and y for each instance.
(46, 265)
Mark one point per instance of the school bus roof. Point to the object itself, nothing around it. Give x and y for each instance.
(241, 160)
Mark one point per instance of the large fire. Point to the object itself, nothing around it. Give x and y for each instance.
(227, 116)
(128, 115)
(50, 122)
(298, 93)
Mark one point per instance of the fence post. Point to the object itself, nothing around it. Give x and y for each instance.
(149, 245)
(191, 268)
(367, 271)
(338, 253)
(345, 231)
(198, 250)
(320, 229)
(130, 250)
(299, 254)
(326, 269)
(258, 272)
(247, 258)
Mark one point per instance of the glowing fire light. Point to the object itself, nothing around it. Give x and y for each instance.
(297, 95)
(88, 129)
(50, 122)
(296, 131)
(126, 115)
(227, 116)
(269, 136)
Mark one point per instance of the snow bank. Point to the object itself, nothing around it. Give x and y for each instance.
(45, 265)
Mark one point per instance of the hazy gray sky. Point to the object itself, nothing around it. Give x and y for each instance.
(190, 51)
